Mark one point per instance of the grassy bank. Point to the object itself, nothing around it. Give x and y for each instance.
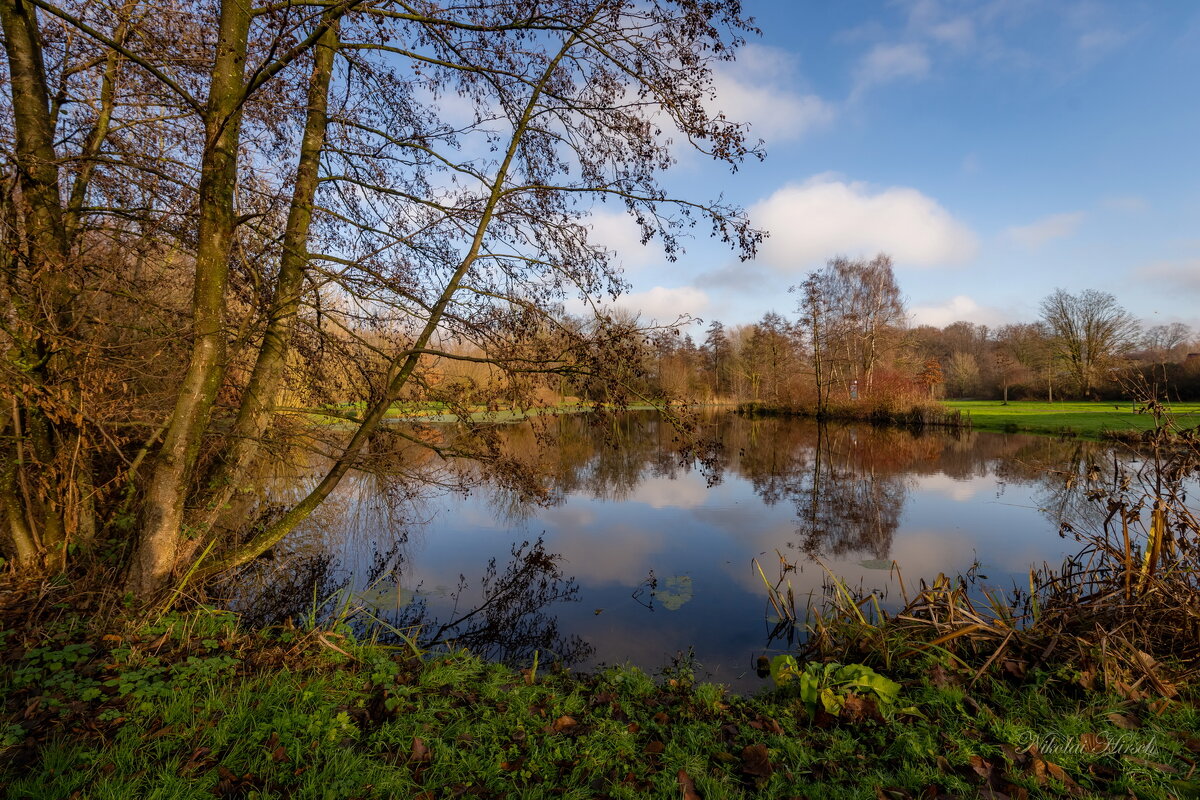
(919, 414)
(1090, 420)
(194, 707)
(433, 412)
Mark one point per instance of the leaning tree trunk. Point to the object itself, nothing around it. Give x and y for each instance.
(405, 363)
(258, 398)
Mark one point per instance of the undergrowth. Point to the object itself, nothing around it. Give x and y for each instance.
(194, 707)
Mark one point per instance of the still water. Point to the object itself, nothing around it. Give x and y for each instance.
(638, 554)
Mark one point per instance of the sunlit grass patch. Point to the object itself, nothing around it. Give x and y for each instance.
(1091, 419)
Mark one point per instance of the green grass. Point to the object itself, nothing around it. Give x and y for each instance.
(289, 714)
(1089, 420)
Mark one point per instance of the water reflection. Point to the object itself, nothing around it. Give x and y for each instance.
(629, 552)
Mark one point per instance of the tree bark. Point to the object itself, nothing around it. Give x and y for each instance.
(167, 487)
(47, 314)
(258, 399)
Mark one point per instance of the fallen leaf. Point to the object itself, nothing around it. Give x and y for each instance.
(858, 708)
(1152, 765)
(420, 753)
(756, 761)
(564, 724)
(1093, 743)
(940, 677)
(1128, 692)
(1124, 721)
(687, 786)
(1013, 667)
(987, 770)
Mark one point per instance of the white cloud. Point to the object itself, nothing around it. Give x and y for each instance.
(886, 63)
(665, 305)
(959, 32)
(824, 217)
(758, 89)
(961, 491)
(773, 114)
(960, 307)
(1131, 203)
(1182, 275)
(616, 231)
(1055, 226)
(1101, 41)
(666, 492)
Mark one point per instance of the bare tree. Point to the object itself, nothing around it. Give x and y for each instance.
(335, 222)
(852, 312)
(1090, 332)
(1165, 341)
(872, 309)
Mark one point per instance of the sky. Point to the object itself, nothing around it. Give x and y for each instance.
(996, 149)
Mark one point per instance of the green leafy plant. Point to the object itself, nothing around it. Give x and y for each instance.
(830, 684)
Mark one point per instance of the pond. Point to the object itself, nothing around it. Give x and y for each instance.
(638, 554)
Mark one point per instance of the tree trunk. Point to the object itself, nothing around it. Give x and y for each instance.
(258, 399)
(167, 487)
(405, 363)
(43, 298)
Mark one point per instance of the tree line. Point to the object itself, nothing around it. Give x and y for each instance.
(848, 340)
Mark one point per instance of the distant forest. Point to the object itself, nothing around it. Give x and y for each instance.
(847, 339)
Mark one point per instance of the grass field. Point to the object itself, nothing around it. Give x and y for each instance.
(1090, 420)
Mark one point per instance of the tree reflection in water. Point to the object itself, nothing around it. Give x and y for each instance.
(503, 615)
(508, 620)
(845, 489)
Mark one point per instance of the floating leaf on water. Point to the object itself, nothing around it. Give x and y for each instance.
(876, 563)
(385, 596)
(673, 592)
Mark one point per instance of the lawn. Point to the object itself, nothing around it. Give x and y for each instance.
(1090, 420)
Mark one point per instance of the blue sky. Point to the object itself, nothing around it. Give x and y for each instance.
(997, 149)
